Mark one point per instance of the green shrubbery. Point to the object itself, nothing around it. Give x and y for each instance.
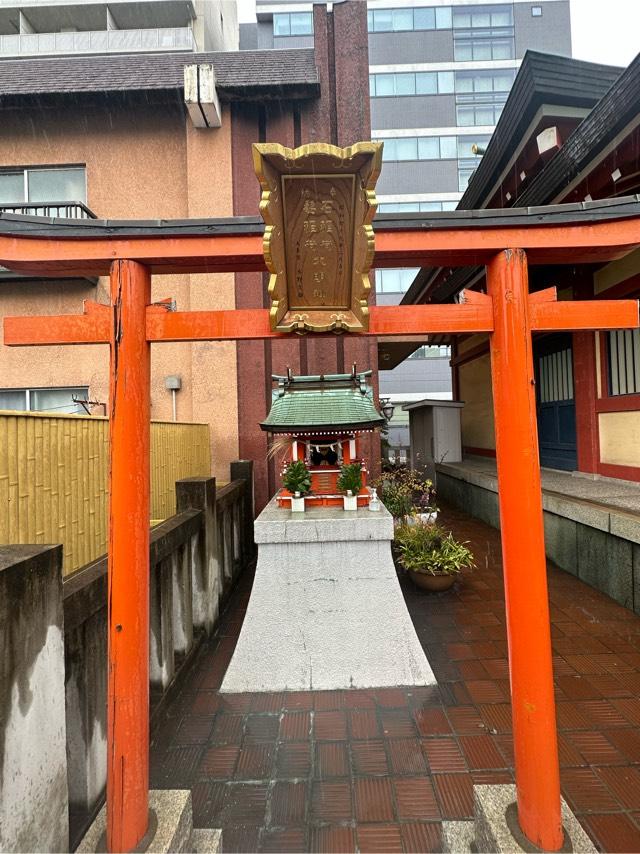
(350, 479)
(431, 550)
(404, 492)
(297, 478)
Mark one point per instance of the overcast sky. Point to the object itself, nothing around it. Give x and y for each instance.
(605, 31)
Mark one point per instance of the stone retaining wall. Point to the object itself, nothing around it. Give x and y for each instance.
(53, 637)
(599, 545)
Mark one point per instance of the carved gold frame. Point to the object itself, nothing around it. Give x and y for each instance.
(273, 161)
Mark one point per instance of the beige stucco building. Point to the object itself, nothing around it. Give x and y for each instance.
(116, 137)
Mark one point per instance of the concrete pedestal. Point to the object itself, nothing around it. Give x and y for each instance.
(496, 828)
(170, 828)
(326, 609)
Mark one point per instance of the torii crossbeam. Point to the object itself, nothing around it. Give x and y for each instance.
(131, 252)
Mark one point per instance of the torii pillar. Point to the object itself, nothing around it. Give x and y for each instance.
(128, 558)
(523, 553)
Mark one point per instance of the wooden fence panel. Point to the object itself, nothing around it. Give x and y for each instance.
(53, 478)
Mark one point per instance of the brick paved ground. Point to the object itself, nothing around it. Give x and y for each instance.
(379, 770)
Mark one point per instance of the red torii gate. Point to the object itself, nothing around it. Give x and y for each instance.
(131, 252)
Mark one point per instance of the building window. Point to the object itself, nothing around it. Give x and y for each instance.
(466, 144)
(536, 11)
(431, 352)
(469, 115)
(482, 17)
(481, 96)
(465, 173)
(419, 148)
(395, 280)
(60, 184)
(480, 83)
(484, 46)
(58, 400)
(555, 381)
(293, 24)
(406, 20)
(410, 83)
(624, 362)
(416, 207)
(483, 33)
(467, 160)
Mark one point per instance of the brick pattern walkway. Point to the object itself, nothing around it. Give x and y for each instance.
(378, 771)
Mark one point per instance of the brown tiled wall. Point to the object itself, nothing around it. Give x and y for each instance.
(342, 118)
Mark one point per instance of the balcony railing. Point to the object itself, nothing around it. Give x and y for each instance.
(98, 41)
(67, 210)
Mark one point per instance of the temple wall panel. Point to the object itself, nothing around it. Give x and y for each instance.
(477, 413)
(620, 438)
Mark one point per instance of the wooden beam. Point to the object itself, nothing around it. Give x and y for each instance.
(162, 325)
(582, 315)
(92, 327)
(221, 253)
(216, 253)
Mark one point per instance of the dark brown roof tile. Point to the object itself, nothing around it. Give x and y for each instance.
(266, 71)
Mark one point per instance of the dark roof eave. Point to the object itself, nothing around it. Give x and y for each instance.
(227, 94)
(313, 429)
(542, 79)
(602, 210)
(605, 121)
(280, 92)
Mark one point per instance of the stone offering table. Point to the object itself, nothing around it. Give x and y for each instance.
(326, 609)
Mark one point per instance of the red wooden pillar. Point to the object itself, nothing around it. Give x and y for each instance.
(586, 395)
(128, 597)
(523, 554)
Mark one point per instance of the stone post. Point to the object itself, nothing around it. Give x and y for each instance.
(33, 784)
(199, 493)
(243, 470)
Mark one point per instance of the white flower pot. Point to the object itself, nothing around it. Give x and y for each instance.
(350, 501)
(297, 504)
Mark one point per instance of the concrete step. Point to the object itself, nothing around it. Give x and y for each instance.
(170, 828)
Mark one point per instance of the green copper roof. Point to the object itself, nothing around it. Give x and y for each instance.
(343, 401)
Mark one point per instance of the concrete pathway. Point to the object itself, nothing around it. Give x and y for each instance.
(379, 770)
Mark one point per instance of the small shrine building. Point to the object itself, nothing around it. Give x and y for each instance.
(324, 416)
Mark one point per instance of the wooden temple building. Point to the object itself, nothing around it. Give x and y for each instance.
(324, 417)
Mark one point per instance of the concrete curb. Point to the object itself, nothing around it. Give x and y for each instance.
(491, 831)
(170, 828)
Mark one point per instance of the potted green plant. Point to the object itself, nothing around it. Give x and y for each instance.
(350, 482)
(297, 480)
(407, 495)
(431, 555)
(397, 499)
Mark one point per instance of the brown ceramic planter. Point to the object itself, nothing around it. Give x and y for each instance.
(434, 583)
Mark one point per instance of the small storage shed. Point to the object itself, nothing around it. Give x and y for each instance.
(434, 432)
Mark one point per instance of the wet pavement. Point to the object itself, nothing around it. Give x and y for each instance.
(379, 770)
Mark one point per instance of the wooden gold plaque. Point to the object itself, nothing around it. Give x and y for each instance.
(318, 202)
